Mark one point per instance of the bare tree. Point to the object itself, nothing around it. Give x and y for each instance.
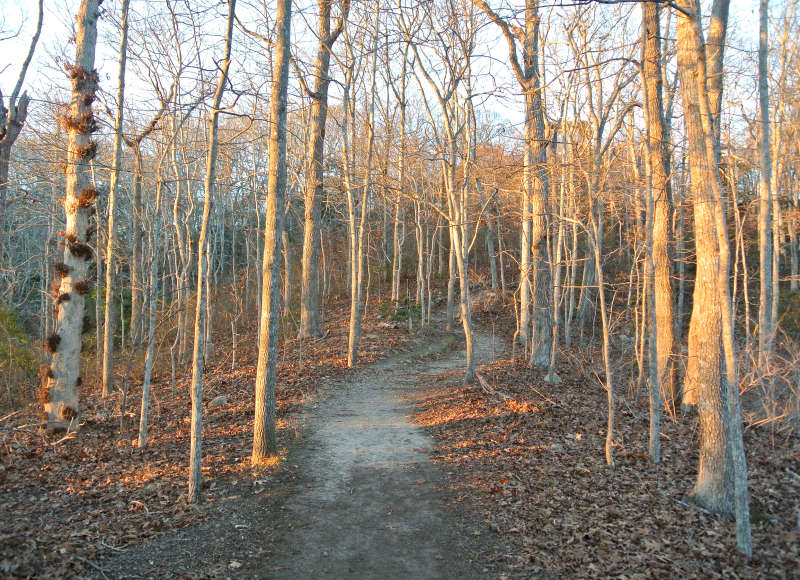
(198, 352)
(659, 186)
(357, 209)
(62, 381)
(12, 119)
(264, 441)
(766, 333)
(533, 247)
(309, 297)
(108, 321)
(721, 483)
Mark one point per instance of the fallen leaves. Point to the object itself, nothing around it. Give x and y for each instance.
(67, 503)
(533, 463)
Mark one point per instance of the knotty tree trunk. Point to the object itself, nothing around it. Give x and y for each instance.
(62, 380)
(264, 439)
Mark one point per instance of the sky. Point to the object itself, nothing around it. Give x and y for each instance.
(18, 18)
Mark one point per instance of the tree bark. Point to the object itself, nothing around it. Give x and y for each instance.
(198, 351)
(731, 468)
(264, 438)
(61, 385)
(310, 324)
(765, 217)
(108, 320)
(662, 196)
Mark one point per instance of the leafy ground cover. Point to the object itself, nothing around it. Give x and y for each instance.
(529, 455)
(68, 503)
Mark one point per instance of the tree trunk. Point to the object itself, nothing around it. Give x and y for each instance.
(732, 468)
(702, 383)
(195, 474)
(662, 196)
(765, 217)
(264, 438)
(108, 320)
(310, 324)
(151, 329)
(63, 378)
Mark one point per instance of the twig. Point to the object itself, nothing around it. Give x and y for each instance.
(102, 543)
(491, 391)
(28, 425)
(689, 505)
(10, 415)
(793, 474)
(548, 399)
(67, 437)
(144, 507)
(92, 564)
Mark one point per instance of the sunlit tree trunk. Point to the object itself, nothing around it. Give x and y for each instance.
(264, 438)
(721, 433)
(310, 325)
(662, 197)
(702, 383)
(537, 193)
(63, 379)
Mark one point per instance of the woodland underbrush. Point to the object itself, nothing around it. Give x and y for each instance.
(529, 456)
(68, 502)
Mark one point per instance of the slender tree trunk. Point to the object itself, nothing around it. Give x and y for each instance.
(151, 329)
(136, 261)
(662, 196)
(195, 474)
(765, 217)
(108, 320)
(287, 263)
(595, 236)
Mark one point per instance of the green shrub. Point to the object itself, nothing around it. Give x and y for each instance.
(405, 308)
(789, 319)
(18, 360)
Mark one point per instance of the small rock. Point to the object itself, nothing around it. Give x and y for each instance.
(218, 401)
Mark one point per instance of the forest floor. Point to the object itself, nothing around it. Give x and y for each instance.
(518, 485)
(353, 494)
(529, 456)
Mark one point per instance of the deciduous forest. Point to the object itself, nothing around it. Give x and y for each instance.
(399, 289)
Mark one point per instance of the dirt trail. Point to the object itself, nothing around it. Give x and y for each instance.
(373, 506)
(357, 497)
